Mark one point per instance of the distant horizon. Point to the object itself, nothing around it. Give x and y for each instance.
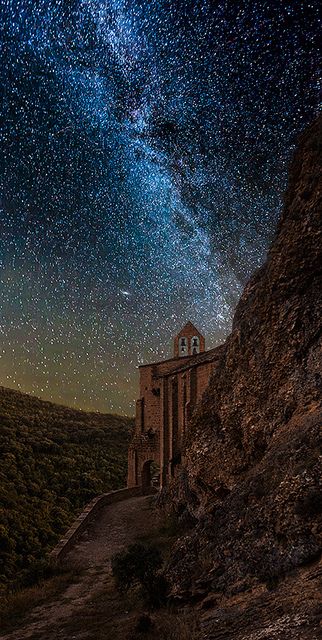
(76, 408)
(66, 406)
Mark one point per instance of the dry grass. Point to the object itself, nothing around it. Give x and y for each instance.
(175, 626)
(107, 614)
(15, 607)
(112, 615)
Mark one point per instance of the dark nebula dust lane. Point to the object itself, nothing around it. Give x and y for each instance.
(144, 155)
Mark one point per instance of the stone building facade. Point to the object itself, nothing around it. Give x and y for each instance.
(169, 393)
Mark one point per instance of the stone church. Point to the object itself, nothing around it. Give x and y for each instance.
(169, 393)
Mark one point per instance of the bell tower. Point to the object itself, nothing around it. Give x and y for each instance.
(188, 342)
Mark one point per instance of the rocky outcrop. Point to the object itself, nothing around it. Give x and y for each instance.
(252, 472)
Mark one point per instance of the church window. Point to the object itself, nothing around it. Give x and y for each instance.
(183, 346)
(195, 345)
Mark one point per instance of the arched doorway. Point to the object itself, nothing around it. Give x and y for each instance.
(150, 475)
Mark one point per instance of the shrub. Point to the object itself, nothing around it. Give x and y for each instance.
(144, 624)
(139, 566)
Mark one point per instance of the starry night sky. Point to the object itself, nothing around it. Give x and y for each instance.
(145, 146)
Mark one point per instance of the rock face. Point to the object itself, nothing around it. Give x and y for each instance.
(252, 466)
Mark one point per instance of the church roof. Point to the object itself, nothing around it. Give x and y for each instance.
(187, 327)
(192, 361)
(185, 362)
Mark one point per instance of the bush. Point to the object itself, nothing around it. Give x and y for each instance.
(139, 566)
(144, 624)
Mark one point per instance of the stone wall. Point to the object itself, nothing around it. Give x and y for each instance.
(203, 377)
(149, 400)
(143, 448)
(169, 394)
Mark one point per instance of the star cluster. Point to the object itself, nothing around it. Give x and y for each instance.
(145, 146)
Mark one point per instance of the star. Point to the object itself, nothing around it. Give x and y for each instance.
(145, 148)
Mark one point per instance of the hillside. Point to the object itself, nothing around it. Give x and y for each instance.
(251, 482)
(53, 461)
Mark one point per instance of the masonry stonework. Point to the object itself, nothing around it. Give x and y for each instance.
(169, 393)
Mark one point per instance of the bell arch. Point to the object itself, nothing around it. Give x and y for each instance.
(195, 345)
(183, 346)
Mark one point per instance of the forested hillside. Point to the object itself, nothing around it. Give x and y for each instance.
(53, 461)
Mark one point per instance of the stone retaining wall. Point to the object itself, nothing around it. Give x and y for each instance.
(70, 538)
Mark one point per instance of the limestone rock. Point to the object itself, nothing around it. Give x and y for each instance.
(253, 453)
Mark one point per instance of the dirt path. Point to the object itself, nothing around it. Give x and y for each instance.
(116, 526)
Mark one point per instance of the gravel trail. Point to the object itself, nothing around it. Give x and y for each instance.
(115, 527)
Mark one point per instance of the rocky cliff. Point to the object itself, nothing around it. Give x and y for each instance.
(251, 479)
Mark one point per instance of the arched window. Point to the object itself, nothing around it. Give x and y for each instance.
(195, 345)
(183, 346)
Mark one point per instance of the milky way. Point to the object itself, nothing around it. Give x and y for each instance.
(144, 154)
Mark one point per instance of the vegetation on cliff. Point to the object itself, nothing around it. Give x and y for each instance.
(53, 461)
